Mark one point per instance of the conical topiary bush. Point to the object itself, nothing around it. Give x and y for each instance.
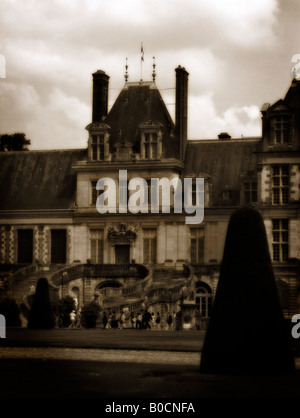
(41, 315)
(247, 333)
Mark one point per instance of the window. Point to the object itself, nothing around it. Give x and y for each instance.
(124, 193)
(282, 133)
(280, 184)
(97, 147)
(97, 246)
(204, 301)
(149, 243)
(25, 246)
(95, 192)
(197, 245)
(58, 246)
(150, 145)
(250, 192)
(280, 230)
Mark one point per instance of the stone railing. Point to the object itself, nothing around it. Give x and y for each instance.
(23, 273)
(207, 269)
(98, 270)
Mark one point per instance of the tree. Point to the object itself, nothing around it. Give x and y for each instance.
(89, 314)
(247, 333)
(63, 309)
(10, 309)
(42, 314)
(14, 142)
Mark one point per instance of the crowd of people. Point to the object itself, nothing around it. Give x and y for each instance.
(139, 320)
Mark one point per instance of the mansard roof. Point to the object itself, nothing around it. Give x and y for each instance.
(38, 179)
(292, 98)
(225, 162)
(138, 103)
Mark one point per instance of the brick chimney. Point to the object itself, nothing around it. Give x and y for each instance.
(100, 95)
(181, 110)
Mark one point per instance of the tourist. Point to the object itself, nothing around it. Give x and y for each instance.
(72, 319)
(157, 320)
(133, 320)
(139, 321)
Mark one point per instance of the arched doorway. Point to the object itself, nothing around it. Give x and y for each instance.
(204, 302)
(108, 289)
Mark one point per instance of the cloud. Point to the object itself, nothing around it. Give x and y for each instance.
(57, 123)
(206, 123)
(234, 51)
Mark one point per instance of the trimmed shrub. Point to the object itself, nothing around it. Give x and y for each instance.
(41, 315)
(63, 309)
(10, 309)
(89, 314)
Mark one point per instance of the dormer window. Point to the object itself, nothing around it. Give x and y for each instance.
(97, 147)
(150, 144)
(98, 141)
(151, 135)
(282, 129)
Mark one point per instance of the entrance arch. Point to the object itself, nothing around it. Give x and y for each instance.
(108, 288)
(204, 299)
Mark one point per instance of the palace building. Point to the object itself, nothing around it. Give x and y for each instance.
(135, 260)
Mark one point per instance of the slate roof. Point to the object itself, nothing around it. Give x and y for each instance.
(137, 103)
(224, 161)
(38, 179)
(292, 97)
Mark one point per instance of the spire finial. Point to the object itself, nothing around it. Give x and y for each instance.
(126, 71)
(142, 59)
(153, 72)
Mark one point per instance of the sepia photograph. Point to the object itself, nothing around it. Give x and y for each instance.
(150, 203)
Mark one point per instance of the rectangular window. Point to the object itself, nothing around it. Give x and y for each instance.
(95, 192)
(25, 246)
(149, 245)
(280, 230)
(150, 144)
(282, 129)
(97, 246)
(124, 192)
(97, 147)
(280, 184)
(58, 246)
(250, 192)
(197, 245)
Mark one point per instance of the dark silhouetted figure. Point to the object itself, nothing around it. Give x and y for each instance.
(41, 315)
(247, 333)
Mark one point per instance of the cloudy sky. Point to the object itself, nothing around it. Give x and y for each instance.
(238, 54)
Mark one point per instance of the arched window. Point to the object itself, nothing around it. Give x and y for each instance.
(203, 299)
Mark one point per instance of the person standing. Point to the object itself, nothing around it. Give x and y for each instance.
(170, 320)
(139, 321)
(157, 320)
(122, 320)
(104, 320)
(133, 320)
(72, 319)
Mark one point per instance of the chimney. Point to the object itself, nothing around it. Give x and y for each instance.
(100, 95)
(181, 110)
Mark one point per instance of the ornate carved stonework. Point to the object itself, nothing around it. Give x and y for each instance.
(122, 233)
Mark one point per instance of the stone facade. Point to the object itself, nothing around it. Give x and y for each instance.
(156, 261)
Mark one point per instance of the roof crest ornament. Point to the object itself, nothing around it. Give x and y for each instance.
(126, 71)
(153, 72)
